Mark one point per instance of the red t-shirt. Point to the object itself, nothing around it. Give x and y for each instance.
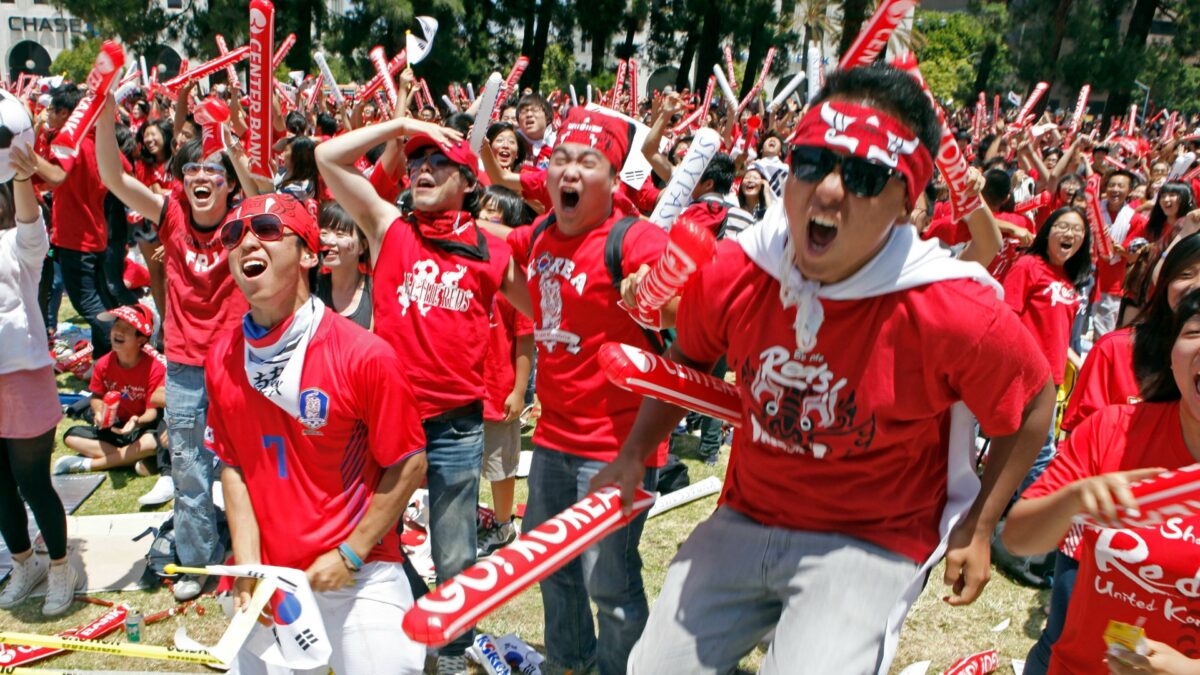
(505, 324)
(432, 306)
(1138, 576)
(851, 437)
(78, 213)
(1110, 276)
(310, 483)
(136, 384)
(574, 312)
(1010, 247)
(152, 175)
(1106, 378)
(202, 298)
(1046, 301)
(627, 200)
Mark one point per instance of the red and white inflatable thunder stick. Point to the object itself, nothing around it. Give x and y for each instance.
(689, 247)
(875, 34)
(381, 71)
(207, 68)
(108, 64)
(1172, 494)
(262, 85)
(660, 378)
(459, 603)
(230, 73)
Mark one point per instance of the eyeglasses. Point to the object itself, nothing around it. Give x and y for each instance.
(194, 168)
(436, 161)
(861, 177)
(1064, 226)
(266, 227)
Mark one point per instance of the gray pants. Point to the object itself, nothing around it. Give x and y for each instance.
(826, 595)
(1104, 316)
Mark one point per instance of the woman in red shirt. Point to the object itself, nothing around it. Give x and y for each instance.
(1143, 576)
(1041, 287)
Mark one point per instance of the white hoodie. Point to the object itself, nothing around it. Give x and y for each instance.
(22, 328)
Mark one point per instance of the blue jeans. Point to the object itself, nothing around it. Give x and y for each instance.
(454, 450)
(710, 427)
(1037, 662)
(1044, 457)
(83, 279)
(196, 540)
(610, 572)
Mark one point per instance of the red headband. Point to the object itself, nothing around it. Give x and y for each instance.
(864, 132)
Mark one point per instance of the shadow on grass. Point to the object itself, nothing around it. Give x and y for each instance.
(1035, 621)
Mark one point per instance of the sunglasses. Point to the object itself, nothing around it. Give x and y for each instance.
(861, 177)
(194, 169)
(266, 227)
(435, 160)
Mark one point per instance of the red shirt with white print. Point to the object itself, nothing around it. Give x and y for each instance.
(432, 306)
(575, 312)
(1106, 378)
(1045, 300)
(136, 384)
(78, 213)
(499, 373)
(1144, 576)
(312, 480)
(152, 175)
(202, 298)
(852, 436)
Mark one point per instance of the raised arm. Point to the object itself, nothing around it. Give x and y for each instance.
(496, 173)
(128, 189)
(665, 109)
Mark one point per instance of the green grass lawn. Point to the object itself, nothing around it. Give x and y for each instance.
(934, 631)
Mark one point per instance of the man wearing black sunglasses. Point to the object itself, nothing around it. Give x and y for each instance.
(436, 275)
(202, 302)
(856, 345)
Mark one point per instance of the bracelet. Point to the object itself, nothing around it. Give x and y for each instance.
(351, 558)
(21, 180)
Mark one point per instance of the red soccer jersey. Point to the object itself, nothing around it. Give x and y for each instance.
(78, 213)
(202, 298)
(851, 437)
(1044, 298)
(310, 483)
(432, 306)
(1106, 378)
(574, 312)
(505, 324)
(152, 175)
(136, 384)
(1143, 576)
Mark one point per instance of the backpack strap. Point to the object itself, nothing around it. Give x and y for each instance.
(613, 259)
(539, 229)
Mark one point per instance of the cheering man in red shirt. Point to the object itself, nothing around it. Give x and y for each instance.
(855, 345)
(436, 273)
(321, 441)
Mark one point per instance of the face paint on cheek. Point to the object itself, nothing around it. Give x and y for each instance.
(218, 181)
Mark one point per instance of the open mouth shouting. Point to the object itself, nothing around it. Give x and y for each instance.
(821, 234)
(253, 267)
(569, 197)
(424, 181)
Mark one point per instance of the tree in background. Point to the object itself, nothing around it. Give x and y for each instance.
(76, 61)
(951, 50)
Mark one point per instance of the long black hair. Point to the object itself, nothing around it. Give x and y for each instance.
(1151, 346)
(304, 160)
(1158, 218)
(1079, 266)
(167, 134)
(1159, 386)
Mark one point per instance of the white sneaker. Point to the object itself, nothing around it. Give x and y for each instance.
(496, 538)
(188, 587)
(162, 492)
(61, 587)
(218, 495)
(72, 464)
(25, 577)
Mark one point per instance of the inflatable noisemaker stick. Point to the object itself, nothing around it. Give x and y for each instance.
(1132, 123)
(381, 71)
(975, 664)
(513, 76)
(327, 75)
(875, 34)
(471, 92)
(1077, 116)
(977, 123)
(1102, 243)
(449, 103)
(461, 602)
(633, 88)
(783, 95)
(995, 108)
(374, 84)
(1171, 494)
(758, 84)
(1026, 111)
(614, 96)
(104, 73)
(110, 621)
(574, 97)
(1169, 130)
(678, 194)
(207, 68)
(699, 114)
(487, 104)
(729, 66)
(726, 90)
(212, 113)
(1040, 200)
(660, 378)
(282, 51)
(690, 247)
(262, 85)
(230, 73)
(314, 91)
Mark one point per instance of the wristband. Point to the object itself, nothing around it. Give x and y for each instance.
(352, 560)
(21, 180)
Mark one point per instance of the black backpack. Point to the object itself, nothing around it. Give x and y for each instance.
(613, 258)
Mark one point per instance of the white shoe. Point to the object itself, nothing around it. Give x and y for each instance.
(188, 587)
(218, 495)
(25, 577)
(72, 464)
(162, 492)
(61, 587)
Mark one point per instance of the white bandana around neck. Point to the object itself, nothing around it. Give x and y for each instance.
(904, 262)
(274, 369)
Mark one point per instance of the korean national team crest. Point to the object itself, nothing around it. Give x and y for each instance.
(314, 408)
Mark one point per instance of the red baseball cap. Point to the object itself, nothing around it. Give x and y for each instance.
(292, 213)
(459, 153)
(137, 315)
